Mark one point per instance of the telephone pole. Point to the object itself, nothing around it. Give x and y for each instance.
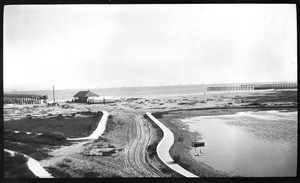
(53, 95)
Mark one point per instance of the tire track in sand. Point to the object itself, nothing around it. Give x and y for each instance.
(136, 156)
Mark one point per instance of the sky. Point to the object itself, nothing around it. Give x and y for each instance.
(89, 46)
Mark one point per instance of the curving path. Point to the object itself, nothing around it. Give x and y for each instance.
(67, 151)
(99, 130)
(136, 155)
(34, 166)
(164, 147)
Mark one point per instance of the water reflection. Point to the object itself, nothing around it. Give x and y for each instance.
(233, 149)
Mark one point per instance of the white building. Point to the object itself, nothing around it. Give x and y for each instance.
(99, 100)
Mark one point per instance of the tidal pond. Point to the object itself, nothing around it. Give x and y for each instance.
(248, 144)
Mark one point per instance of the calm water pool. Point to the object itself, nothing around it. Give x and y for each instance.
(251, 144)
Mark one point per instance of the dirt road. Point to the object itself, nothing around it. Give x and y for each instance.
(136, 155)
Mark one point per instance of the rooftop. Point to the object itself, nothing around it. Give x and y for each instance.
(85, 94)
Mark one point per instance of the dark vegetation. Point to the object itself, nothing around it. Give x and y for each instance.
(33, 144)
(16, 166)
(91, 175)
(114, 175)
(112, 124)
(176, 159)
(279, 96)
(57, 173)
(101, 139)
(146, 117)
(255, 104)
(54, 138)
(63, 165)
(152, 150)
(54, 133)
(257, 100)
(109, 153)
(181, 162)
(157, 115)
(168, 170)
(71, 126)
(60, 173)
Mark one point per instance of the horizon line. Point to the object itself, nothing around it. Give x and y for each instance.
(161, 85)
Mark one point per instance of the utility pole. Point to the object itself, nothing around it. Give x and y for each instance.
(53, 96)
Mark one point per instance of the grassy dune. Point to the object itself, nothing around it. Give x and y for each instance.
(54, 133)
(69, 126)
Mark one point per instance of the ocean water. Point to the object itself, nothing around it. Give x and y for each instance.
(153, 91)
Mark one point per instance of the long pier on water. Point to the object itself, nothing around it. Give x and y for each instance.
(255, 87)
(24, 99)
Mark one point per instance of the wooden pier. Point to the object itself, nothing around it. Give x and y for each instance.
(254, 87)
(24, 99)
(276, 86)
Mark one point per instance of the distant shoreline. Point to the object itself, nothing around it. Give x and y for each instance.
(149, 86)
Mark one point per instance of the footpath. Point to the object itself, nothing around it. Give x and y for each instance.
(33, 166)
(164, 147)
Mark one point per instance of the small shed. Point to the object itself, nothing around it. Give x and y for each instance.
(82, 96)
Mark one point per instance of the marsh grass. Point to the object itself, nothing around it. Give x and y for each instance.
(91, 175)
(57, 173)
(16, 166)
(152, 150)
(109, 153)
(31, 149)
(54, 133)
(71, 126)
(113, 123)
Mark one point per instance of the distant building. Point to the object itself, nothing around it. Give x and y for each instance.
(82, 96)
(99, 100)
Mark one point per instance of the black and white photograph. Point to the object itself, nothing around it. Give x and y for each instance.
(150, 91)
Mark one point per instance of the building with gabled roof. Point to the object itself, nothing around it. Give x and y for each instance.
(82, 96)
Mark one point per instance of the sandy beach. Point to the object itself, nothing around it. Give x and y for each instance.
(129, 135)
